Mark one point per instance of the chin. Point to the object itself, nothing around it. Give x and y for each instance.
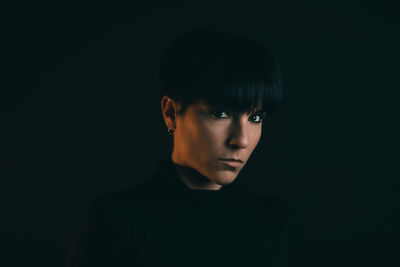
(226, 179)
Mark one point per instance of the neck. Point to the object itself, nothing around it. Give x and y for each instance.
(195, 180)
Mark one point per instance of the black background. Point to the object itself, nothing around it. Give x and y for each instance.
(81, 116)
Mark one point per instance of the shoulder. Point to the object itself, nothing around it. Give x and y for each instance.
(126, 200)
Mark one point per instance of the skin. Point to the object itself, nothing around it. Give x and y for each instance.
(202, 137)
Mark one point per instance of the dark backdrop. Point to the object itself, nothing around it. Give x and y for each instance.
(81, 116)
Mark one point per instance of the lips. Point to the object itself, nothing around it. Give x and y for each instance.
(232, 163)
(232, 159)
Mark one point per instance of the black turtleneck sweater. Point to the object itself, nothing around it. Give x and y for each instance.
(162, 222)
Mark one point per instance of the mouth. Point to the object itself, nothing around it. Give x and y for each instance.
(232, 159)
(232, 163)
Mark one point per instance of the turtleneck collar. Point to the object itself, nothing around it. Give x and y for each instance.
(166, 171)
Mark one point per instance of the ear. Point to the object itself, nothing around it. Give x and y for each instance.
(169, 110)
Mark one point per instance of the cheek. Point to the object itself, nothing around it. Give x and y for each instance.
(206, 134)
(197, 135)
(255, 137)
(204, 137)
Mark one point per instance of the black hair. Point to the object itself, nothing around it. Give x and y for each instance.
(222, 69)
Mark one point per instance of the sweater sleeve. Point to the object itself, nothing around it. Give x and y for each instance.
(98, 242)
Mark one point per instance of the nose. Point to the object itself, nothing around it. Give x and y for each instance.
(239, 137)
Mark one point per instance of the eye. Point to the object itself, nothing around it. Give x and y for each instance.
(217, 113)
(258, 117)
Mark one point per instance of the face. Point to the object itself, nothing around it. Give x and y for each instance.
(205, 134)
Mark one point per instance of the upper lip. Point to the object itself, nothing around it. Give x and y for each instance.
(232, 159)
